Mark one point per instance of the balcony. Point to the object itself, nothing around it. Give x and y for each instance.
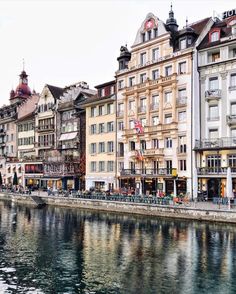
(215, 144)
(154, 106)
(212, 94)
(45, 128)
(232, 88)
(231, 119)
(153, 129)
(214, 170)
(67, 146)
(181, 101)
(150, 84)
(148, 172)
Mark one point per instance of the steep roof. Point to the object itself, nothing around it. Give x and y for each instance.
(56, 91)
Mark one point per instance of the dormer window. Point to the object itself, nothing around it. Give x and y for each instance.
(182, 44)
(102, 92)
(214, 36)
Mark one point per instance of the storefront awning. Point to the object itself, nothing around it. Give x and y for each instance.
(68, 136)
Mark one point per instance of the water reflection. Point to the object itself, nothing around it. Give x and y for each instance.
(57, 250)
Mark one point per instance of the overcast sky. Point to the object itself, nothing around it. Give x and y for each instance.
(64, 42)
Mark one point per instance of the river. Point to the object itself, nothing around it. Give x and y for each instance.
(61, 250)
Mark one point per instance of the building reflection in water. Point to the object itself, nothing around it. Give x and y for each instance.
(58, 250)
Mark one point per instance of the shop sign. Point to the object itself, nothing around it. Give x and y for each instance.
(229, 13)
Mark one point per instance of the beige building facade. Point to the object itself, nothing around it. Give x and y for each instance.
(101, 139)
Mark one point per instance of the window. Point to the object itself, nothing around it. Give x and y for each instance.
(168, 70)
(215, 56)
(182, 93)
(120, 111)
(120, 125)
(143, 37)
(182, 165)
(101, 166)
(149, 35)
(101, 147)
(131, 104)
(213, 134)
(101, 110)
(182, 67)
(182, 144)
(93, 148)
(233, 80)
(215, 36)
(214, 161)
(143, 122)
(12, 137)
(121, 166)
(155, 32)
(213, 112)
(142, 78)
(232, 160)
(168, 118)
(132, 145)
(143, 145)
(155, 102)
(102, 92)
(233, 133)
(155, 120)
(155, 143)
(121, 149)
(182, 44)
(155, 74)
(143, 102)
(168, 142)
(110, 126)
(182, 116)
(131, 81)
(101, 128)
(93, 111)
(142, 58)
(112, 90)
(233, 109)
(213, 83)
(110, 108)
(110, 146)
(121, 84)
(93, 129)
(110, 166)
(131, 124)
(93, 166)
(169, 166)
(155, 54)
(168, 97)
(234, 50)
(12, 149)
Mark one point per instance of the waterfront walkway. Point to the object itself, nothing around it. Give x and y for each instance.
(167, 201)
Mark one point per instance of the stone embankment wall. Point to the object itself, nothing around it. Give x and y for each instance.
(181, 212)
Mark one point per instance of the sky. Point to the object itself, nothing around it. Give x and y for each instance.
(64, 42)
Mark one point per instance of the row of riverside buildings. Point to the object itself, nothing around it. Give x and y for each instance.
(168, 116)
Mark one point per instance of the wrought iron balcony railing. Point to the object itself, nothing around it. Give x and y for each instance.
(214, 170)
(213, 94)
(219, 143)
(148, 172)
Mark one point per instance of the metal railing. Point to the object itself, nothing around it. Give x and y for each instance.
(214, 170)
(219, 143)
(211, 94)
(147, 172)
(231, 119)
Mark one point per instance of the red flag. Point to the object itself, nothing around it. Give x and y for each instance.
(138, 126)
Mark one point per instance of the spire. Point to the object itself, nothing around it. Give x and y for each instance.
(186, 21)
(171, 21)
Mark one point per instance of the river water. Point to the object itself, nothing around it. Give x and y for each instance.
(61, 250)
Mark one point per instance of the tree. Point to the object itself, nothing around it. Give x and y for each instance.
(15, 179)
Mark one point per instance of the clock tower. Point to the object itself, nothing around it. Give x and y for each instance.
(22, 91)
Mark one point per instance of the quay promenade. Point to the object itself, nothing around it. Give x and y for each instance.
(207, 211)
